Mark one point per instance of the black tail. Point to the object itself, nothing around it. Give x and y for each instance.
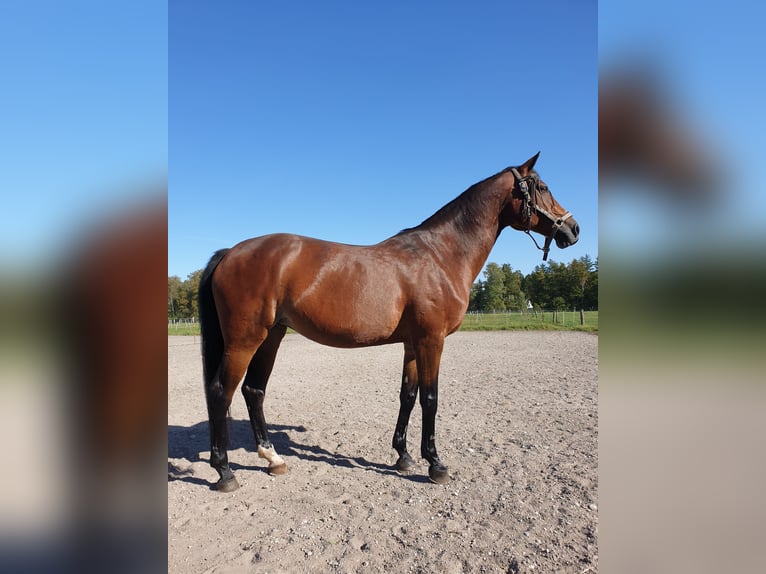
(210, 328)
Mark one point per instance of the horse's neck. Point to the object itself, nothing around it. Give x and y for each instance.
(464, 239)
(469, 248)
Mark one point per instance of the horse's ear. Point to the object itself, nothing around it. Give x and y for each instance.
(527, 166)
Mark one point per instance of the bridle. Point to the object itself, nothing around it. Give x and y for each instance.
(528, 187)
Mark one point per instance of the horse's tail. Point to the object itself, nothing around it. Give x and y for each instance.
(210, 328)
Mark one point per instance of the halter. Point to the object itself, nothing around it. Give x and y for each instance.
(530, 205)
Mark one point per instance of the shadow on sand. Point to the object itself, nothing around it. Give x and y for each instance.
(189, 442)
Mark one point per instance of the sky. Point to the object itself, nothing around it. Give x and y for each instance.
(718, 89)
(83, 116)
(351, 121)
(344, 122)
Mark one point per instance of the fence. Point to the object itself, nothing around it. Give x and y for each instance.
(183, 326)
(540, 318)
(473, 321)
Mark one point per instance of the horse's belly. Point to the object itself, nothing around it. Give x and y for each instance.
(341, 331)
(346, 321)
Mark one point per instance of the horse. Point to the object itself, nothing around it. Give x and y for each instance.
(412, 288)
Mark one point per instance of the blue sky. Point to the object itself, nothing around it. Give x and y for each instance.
(83, 116)
(351, 121)
(345, 122)
(708, 58)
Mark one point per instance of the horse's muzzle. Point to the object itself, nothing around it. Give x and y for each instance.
(567, 234)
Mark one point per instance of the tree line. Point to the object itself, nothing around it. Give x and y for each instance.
(551, 285)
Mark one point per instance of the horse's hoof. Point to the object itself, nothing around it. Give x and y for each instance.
(278, 469)
(438, 474)
(228, 485)
(404, 464)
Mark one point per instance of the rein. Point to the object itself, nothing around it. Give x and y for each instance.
(530, 205)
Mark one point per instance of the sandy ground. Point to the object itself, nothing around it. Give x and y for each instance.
(517, 426)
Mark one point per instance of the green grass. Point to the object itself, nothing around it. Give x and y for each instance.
(183, 329)
(565, 321)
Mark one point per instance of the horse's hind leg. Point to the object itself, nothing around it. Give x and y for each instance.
(219, 397)
(407, 398)
(254, 391)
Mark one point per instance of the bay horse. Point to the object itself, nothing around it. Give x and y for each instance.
(412, 288)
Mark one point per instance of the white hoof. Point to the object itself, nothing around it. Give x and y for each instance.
(271, 455)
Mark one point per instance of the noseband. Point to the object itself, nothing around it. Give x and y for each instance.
(528, 187)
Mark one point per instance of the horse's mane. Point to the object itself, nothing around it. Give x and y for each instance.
(466, 210)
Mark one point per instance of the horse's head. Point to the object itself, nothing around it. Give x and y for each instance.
(532, 207)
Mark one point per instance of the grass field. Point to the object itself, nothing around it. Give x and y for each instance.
(546, 321)
(183, 328)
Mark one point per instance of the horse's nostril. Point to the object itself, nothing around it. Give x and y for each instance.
(576, 229)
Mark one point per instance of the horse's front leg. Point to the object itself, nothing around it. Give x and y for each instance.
(428, 356)
(407, 397)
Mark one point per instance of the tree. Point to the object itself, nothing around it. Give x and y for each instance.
(513, 295)
(192, 288)
(535, 285)
(580, 270)
(176, 298)
(182, 296)
(494, 288)
(478, 298)
(590, 296)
